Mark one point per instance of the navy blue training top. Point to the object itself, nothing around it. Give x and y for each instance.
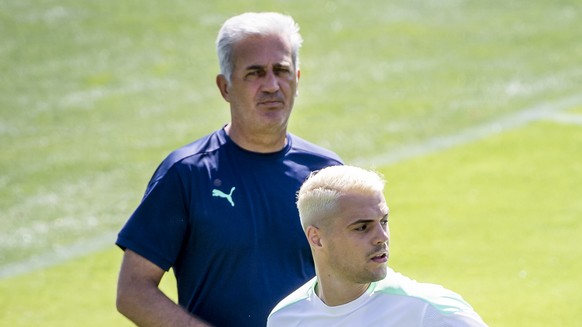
(225, 219)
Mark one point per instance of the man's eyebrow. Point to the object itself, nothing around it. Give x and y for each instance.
(261, 67)
(365, 221)
(362, 221)
(254, 67)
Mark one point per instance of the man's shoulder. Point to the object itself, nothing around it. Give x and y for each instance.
(204, 145)
(296, 297)
(195, 153)
(304, 147)
(437, 296)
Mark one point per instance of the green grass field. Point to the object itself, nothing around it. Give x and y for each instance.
(472, 110)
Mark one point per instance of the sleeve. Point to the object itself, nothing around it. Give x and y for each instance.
(158, 226)
(463, 318)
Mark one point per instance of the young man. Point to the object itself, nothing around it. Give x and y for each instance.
(221, 210)
(345, 218)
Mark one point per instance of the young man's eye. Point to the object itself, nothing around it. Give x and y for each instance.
(361, 228)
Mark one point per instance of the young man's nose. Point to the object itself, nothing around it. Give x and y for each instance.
(382, 235)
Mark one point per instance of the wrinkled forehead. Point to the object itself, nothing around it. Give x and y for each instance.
(263, 51)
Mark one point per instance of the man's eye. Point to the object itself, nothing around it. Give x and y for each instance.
(283, 71)
(384, 222)
(361, 228)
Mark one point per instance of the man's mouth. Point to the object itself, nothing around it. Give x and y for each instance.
(271, 103)
(270, 100)
(380, 257)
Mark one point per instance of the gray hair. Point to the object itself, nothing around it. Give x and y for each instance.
(318, 196)
(255, 24)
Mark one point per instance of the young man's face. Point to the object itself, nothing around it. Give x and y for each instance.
(263, 84)
(356, 242)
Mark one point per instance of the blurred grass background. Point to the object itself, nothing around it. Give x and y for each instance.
(95, 93)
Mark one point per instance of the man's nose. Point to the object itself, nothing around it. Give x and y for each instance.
(382, 235)
(270, 82)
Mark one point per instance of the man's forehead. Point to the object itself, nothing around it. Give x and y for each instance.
(364, 205)
(263, 49)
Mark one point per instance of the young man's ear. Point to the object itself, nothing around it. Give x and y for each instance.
(313, 236)
(222, 84)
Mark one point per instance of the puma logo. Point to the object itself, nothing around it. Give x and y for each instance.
(221, 194)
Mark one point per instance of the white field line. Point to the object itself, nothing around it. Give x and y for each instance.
(566, 118)
(59, 255)
(550, 110)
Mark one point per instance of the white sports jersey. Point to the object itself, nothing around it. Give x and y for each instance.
(394, 301)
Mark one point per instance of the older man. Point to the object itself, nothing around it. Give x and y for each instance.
(221, 210)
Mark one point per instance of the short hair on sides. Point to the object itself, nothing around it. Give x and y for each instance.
(319, 195)
(255, 24)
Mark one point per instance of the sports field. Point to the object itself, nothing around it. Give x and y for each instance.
(471, 109)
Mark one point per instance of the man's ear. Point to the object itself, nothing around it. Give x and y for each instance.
(313, 236)
(298, 76)
(222, 84)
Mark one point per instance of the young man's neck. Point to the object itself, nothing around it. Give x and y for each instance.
(333, 293)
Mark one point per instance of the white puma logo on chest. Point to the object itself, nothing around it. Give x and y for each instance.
(221, 194)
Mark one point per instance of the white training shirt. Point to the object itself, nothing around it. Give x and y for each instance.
(394, 301)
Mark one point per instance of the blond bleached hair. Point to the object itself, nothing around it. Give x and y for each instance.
(318, 197)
